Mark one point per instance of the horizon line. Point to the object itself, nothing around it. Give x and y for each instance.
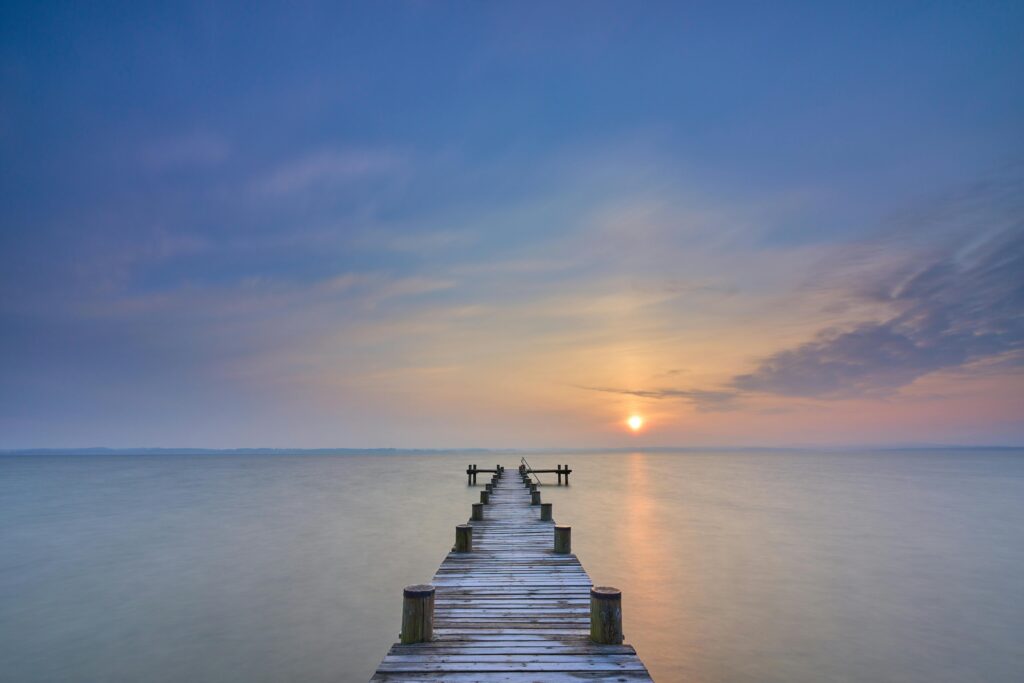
(261, 450)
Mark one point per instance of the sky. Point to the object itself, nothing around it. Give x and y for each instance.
(432, 225)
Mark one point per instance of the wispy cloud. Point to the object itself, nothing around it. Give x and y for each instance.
(328, 169)
(960, 306)
(702, 399)
(186, 150)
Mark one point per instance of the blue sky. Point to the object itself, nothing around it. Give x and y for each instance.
(471, 224)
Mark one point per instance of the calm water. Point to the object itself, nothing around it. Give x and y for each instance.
(734, 566)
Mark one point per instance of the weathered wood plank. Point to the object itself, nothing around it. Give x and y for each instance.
(511, 610)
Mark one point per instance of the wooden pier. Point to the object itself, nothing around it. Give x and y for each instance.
(473, 470)
(511, 603)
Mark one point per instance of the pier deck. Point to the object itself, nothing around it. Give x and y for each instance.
(511, 610)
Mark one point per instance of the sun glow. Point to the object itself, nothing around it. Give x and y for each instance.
(635, 422)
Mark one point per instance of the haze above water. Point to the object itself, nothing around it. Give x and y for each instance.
(738, 566)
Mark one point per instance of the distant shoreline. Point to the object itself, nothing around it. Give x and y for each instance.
(491, 451)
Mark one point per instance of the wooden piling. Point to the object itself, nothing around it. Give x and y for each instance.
(478, 512)
(417, 614)
(606, 615)
(463, 538)
(545, 512)
(485, 497)
(535, 497)
(563, 539)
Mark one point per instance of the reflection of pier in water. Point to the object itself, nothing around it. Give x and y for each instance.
(511, 602)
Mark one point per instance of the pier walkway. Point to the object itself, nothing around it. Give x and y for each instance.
(511, 609)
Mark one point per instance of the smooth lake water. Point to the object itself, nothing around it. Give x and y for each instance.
(735, 566)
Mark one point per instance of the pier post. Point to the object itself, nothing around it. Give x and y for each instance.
(545, 512)
(606, 615)
(558, 471)
(463, 538)
(489, 487)
(485, 497)
(533, 487)
(478, 512)
(535, 497)
(563, 539)
(417, 614)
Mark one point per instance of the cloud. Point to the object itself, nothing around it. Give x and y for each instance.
(954, 308)
(701, 398)
(327, 169)
(189, 150)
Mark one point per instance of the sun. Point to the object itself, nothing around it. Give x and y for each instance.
(635, 422)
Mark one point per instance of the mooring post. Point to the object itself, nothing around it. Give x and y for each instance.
(489, 487)
(474, 473)
(478, 512)
(463, 538)
(563, 539)
(606, 615)
(417, 614)
(535, 497)
(558, 471)
(545, 512)
(533, 487)
(485, 497)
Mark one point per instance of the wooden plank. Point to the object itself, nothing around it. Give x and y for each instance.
(511, 610)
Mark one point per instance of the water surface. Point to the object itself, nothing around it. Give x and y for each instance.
(746, 566)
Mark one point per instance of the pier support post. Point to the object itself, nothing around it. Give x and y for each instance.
(535, 497)
(558, 471)
(478, 512)
(463, 538)
(533, 487)
(545, 512)
(489, 487)
(417, 614)
(563, 539)
(606, 615)
(485, 497)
